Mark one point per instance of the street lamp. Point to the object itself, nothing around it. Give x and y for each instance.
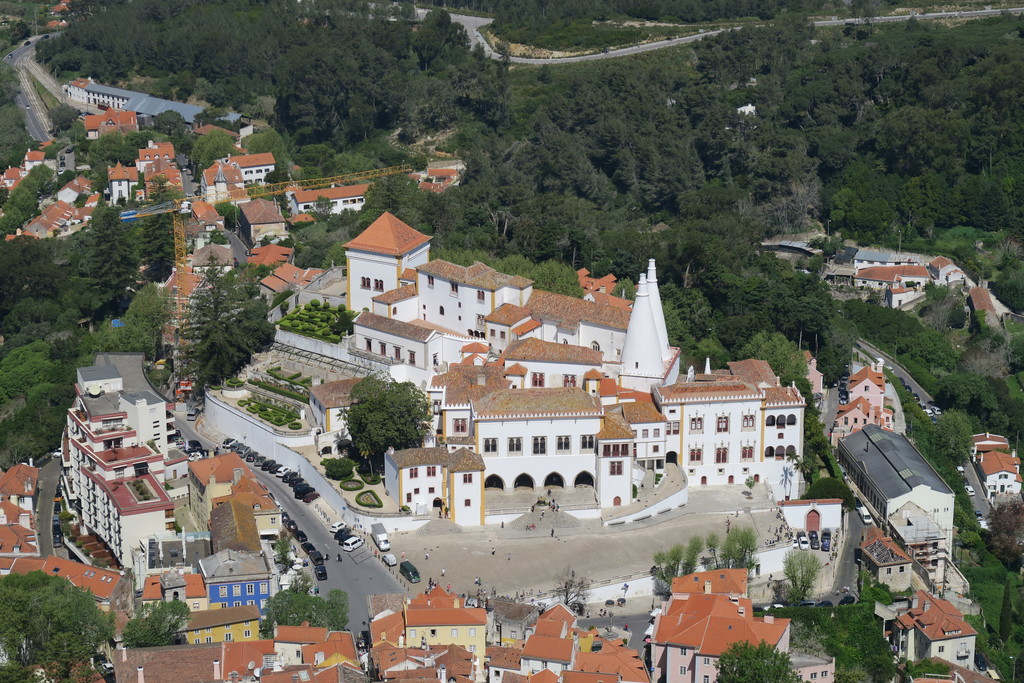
(1013, 676)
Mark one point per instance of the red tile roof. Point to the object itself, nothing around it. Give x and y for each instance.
(995, 462)
(20, 480)
(891, 273)
(507, 314)
(261, 211)
(195, 587)
(551, 352)
(271, 255)
(251, 160)
(300, 634)
(718, 581)
(100, 582)
(548, 648)
(981, 300)
(570, 312)
(936, 618)
(712, 623)
(388, 235)
(120, 172)
(332, 193)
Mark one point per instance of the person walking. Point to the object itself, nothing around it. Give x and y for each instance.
(552, 533)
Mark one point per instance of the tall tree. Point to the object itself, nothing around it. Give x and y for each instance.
(801, 570)
(387, 414)
(572, 588)
(50, 623)
(738, 548)
(952, 436)
(227, 324)
(214, 145)
(743, 662)
(295, 605)
(1006, 532)
(156, 624)
(111, 262)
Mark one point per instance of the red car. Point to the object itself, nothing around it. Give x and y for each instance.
(310, 497)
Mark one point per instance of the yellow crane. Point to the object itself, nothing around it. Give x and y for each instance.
(179, 208)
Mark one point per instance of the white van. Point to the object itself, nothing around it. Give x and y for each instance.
(865, 516)
(352, 543)
(380, 536)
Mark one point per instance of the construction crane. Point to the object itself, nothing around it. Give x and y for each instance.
(179, 208)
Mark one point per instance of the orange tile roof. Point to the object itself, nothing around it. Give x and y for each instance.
(989, 442)
(550, 352)
(388, 235)
(338, 643)
(300, 634)
(478, 275)
(507, 314)
(867, 373)
(609, 300)
(995, 462)
(882, 549)
(387, 628)
(515, 370)
(270, 255)
(100, 582)
(195, 587)
(558, 612)
(528, 326)
(220, 468)
(754, 370)
(936, 618)
(237, 655)
(17, 539)
(550, 627)
(393, 296)
(504, 657)
(545, 676)
(641, 413)
(548, 648)
(712, 623)
(891, 273)
(569, 311)
(20, 480)
(550, 401)
(445, 616)
(261, 211)
(209, 128)
(120, 172)
(719, 581)
(613, 658)
(251, 160)
(615, 427)
(111, 118)
(476, 347)
(981, 300)
(593, 373)
(332, 193)
(301, 218)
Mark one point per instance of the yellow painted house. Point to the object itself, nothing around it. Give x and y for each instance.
(440, 618)
(225, 625)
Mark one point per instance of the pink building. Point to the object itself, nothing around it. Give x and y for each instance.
(869, 383)
(855, 415)
(814, 376)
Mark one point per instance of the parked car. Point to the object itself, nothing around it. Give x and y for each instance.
(267, 464)
(307, 547)
(310, 497)
(813, 536)
(300, 535)
(804, 543)
(825, 603)
(389, 559)
(352, 543)
(194, 447)
(289, 476)
(317, 558)
(297, 481)
(826, 540)
(320, 571)
(806, 603)
(281, 471)
(409, 571)
(336, 527)
(970, 489)
(260, 459)
(848, 600)
(275, 468)
(251, 457)
(291, 525)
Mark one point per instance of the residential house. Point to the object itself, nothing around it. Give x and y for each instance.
(223, 182)
(271, 255)
(57, 219)
(13, 176)
(254, 167)
(510, 622)
(287, 276)
(116, 453)
(898, 296)
(340, 198)
(73, 189)
(926, 543)
(865, 258)
(33, 158)
(233, 526)
(17, 512)
(436, 617)
(234, 578)
(869, 383)
(889, 472)
(885, 560)
(289, 640)
(814, 376)
(212, 256)
(981, 301)
(428, 479)
(811, 668)
(931, 627)
(880, 277)
(436, 179)
(154, 152)
(122, 181)
(208, 128)
(856, 414)
(225, 625)
(211, 479)
(998, 466)
(109, 121)
(111, 590)
(246, 661)
(167, 551)
(261, 219)
(944, 272)
(731, 582)
(174, 585)
(163, 176)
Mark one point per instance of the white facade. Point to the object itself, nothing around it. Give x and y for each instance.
(372, 273)
(121, 189)
(340, 198)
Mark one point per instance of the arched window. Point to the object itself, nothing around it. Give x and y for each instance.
(441, 309)
(791, 420)
(696, 455)
(769, 452)
(769, 421)
(595, 346)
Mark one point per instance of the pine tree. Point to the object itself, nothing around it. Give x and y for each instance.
(1006, 613)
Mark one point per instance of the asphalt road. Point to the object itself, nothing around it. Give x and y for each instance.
(897, 369)
(49, 475)
(473, 26)
(27, 99)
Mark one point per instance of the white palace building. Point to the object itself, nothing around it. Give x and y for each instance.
(534, 390)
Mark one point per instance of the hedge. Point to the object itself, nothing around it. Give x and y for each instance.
(371, 479)
(234, 383)
(351, 485)
(295, 425)
(278, 390)
(369, 499)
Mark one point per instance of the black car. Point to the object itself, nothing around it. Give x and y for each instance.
(848, 600)
(307, 547)
(320, 572)
(193, 447)
(291, 525)
(300, 535)
(251, 457)
(806, 603)
(300, 491)
(980, 662)
(260, 459)
(317, 558)
(812, 535)
(275, 468)
(288, 477)
(341, 534)
(285, 516)
(826, 540)
(825, 603)
(267, 464)
(297, 481)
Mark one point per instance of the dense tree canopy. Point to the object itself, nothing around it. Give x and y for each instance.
(156, 624)
(387, 414)
(293, 606)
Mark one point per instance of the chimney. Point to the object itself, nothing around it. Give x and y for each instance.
(142, 677)
(769, 619)
(927, 605)
(742, 610)
(442, 674)
(124, 654)
(216, 669)
(913, 603)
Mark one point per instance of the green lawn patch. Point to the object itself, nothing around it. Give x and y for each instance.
(319, 322)
(275, 415)
(281, 391)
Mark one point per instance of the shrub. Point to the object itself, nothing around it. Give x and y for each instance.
(234, 383)
(351, 485)
(278, 390)
(338, 468)
(215, 387)
(369, 499)
(252, 408)
(371, 479)
(405, 508)
(315, 303)
(295, 425)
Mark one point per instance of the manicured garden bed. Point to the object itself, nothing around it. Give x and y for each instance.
(319, 322)
(275, 415)
(351, 485)
(369, 499)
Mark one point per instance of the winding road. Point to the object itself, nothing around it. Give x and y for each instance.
(473, 26)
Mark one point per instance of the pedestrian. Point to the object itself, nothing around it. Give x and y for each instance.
(502, 524)
(426, 556)
(403, 556)
(549, 493)
(492, 550)
(442, 572)
(552, 533)
(542, 514)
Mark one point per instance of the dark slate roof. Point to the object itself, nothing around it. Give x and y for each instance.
(891, 462)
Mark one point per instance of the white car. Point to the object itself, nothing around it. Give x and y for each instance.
(336, 527)
(960, 469)
(283, 471)
(389, 559)
(804, 543)
(970, 490)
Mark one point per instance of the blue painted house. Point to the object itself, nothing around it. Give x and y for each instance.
(235, 578)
